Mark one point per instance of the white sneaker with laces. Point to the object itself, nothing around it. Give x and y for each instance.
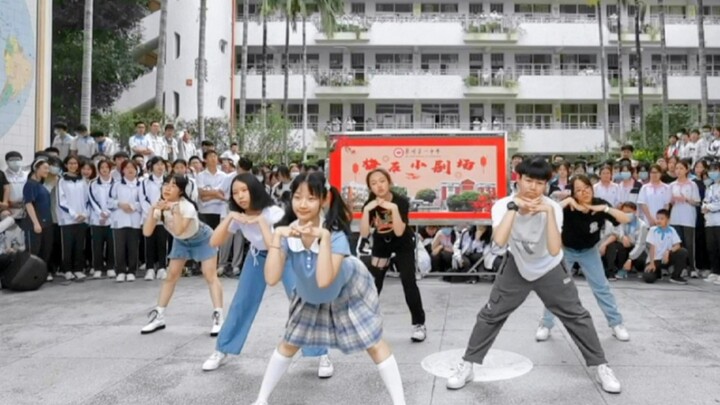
(111, 274)
(607, 380)
(711, 278)
(130, 277)
(161, 274)
(694, 274)
(157, 322)
(69, 276)
(49, 278)
(620, 333)
(143, 267)
(120, 278)
(419, 333)
(717, 281)
(217, 323)
(214, 361)
(325, 367)
(542, 334)
(98, 274)
(150, 275)
(463, 375)
(80, 275)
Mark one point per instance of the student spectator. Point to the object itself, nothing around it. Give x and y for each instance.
(103, 144)
(12, 238)
(88, 171)
(186, 146)
(103, 255)
(473, 244)
(195, 167)
(654, 196)
(180, 167)
(711, 210)
(16, 179)
(610, 235)
(140, 163)
(713, 147)
(211, 187)
(118, 159)
(684, 151)
(673, 147)
(560, 186)
(606, 189)
(683, 216)
(697, 147)
(232, 154)
(629, 252)
(669, 175)
(427, 235)
(171, 151)
(156, 242)
(665, 251)
(157, 141)
(140, 144)
(36, 197)
(626, 152)
(442, 249)
(63, 140)
(124, 203)
(281, 191)
(83, 144)
(206, 146)
(72, 195)
(702, 180)
(629, 186)
(643, 173)
(580, 167)
(4, 193)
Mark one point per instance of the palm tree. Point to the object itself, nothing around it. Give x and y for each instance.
(244, 63)
(603, 78)
(160, 64)
(640, 79)
(702, 63)
(621, 6)
(664, 71)
(263, 102)
(201, 68)
(304, 86)
(86, 91)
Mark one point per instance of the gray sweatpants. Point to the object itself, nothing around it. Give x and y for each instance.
(236, 244)
(557, 291)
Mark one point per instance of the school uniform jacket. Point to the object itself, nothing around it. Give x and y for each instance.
(72, 195)
(151, 191)
(129, 192)
(99, 195)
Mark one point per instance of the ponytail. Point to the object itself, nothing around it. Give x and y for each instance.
(338, 216)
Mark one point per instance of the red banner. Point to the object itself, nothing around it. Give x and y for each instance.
(444, 177)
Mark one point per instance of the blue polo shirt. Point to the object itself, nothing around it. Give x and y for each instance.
(38, 195)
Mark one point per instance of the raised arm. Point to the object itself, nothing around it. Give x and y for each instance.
(328, 263)
(275, 262)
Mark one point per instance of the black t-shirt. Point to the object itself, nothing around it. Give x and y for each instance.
(582, 231)
(382, 220)
(667, 178)
(3, 183)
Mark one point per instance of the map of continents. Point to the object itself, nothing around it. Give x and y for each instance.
(17, 61)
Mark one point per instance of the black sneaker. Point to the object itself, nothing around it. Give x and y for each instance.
(678, 280)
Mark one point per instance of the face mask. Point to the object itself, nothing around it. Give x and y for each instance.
(13, 165)
(294, 174)
(55, 170)
(631, 216)
(446, 231)
(624, 176)
(708, 182)
(260, 178)
(714, 175)
(617, 177)
(643, 175)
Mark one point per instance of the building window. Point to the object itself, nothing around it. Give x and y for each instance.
(440, 116)
(394, 8)
(313, 62)
(676, 63)
(357, 8)
(533, 64)
(439, 63)
(252, 109)
(713, 114)
(676, 11)
(578, 9)
(336, 111)
(497, 8)
(712, 65)
(533, 115)
(498, 114)
(711, 11)
(477, 113)
(439, 8)
(394, 115)
(574, 64)
(394, 62)
(476, 64)
(221, 102)
(476, 8)
(255, 62)
(177, 45)
(176, 104)
(336, 61)
(532, 9)
(295, 115)
(578, 115)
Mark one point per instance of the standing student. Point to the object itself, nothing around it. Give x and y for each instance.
(665, 251)
(683, 216)
(529, 225)
(654, 196)
(387, 213)
(253, 214)
(190, 241)
(155, 243)
(584, 218)
(334, 303)
(711, 210)
(103, 255)
(73, 218)
(125, 221)
(211, 189)
(39, 225)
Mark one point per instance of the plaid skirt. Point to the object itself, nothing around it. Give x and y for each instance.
(350, 323)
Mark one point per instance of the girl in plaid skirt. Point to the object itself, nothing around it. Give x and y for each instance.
(334, 303)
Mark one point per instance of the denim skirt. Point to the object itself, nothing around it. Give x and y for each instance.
(196, 247)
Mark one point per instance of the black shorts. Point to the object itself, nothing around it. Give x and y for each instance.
(384, 245)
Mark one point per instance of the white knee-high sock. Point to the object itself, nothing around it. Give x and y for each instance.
(390, 375)
(276, 368)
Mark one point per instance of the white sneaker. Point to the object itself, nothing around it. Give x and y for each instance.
(150, 275)
(216, 360)
(142, 266)
(120, 278)
(260, 403)
(325, 367)
(130, 277)
(49, 278)
(620, 333)
(161, 274)
(111, 274)
(606, 378)
(157, 322)
(711, 278)
(217, 323)
(463, 375)
(98, 274)
(542, 334)
(69, 276)
(419, 333)
(694, 274)
(80, 275)
(717, 281)
(236, 271)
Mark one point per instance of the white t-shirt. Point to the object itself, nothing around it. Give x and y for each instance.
(611, 193)
(209, 181)
(684, 214)
(656, 197)
(187, 210)
(228, 154)
(663, 240)
(252, 232)
(528, 239)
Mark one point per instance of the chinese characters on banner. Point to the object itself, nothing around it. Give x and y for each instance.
(444, 178)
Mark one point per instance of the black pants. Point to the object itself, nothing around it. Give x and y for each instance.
(127, 246)
(442, 261)
(615, 256)
(405, 263)
(687, 237)
(702, 258)
(73, 247)
(40, 244)
(103, 248)
(156, 249)
(712, 239)
(678, 260)
(211, 220)
(56, 252)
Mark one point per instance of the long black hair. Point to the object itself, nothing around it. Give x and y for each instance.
(338, 216)
(259, 198)
(181, 182)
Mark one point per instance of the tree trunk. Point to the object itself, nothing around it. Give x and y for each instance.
(86, 91)
(263, 101)
(702, 64)
(304, 86)
(286, 85)
(640, 83)
(202, 72)
(664, 71)
(603, 73)
(161, 56)
(244, 64)
(621, 83)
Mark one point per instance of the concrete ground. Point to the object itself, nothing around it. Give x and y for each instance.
(79, 343)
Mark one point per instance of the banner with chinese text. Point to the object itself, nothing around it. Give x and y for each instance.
(444, 177)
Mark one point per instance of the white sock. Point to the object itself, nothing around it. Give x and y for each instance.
(219, 311)
(390, 375)
(160, 311)
(276, 368)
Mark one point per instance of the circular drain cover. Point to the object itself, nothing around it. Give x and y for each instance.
(498, 365)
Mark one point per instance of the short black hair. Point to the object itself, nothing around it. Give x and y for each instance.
(13, 154)
(517, 155)
(137, 155)
(207, 143)
(245, 164)
(208, 153)
(664, 212)
(121, 154)
(629, 204)
(52, 149)
(535, 168)
(233, 144)
(169, 126)
(628, 147)
(97, 134)
(60, 125)
(139, 123)
(81, 128)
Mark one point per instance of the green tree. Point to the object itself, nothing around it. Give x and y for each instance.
(679, 117)
(121, 126)
(426, 194)
(114, 66)
(462, 201)
(402, 191)
(264, 140)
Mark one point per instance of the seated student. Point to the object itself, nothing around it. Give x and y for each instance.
(665, 251)
(12, 238)
(609, 236)
(442, 249)
(629, 252)
(471, 246)
(427, 235)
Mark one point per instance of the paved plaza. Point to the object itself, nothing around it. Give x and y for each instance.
(81, 344)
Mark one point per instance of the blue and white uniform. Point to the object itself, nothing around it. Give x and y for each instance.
(100, 232)
(72, 214)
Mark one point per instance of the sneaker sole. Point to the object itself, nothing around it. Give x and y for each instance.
(214, 334)
(678, 282)
(324, 377)
(597, 378)
(147, 332)
(416, 340)
(462, 386)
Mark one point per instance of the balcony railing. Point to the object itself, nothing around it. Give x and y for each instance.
(372, 125)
